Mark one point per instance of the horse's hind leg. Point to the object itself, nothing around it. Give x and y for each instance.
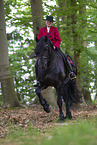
(66, 100)
(43, 102)
(68, 113)
(59, 102)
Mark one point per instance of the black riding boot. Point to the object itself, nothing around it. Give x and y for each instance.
(68, 64)
(69, 67)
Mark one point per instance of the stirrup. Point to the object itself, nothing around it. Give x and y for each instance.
(72, 78)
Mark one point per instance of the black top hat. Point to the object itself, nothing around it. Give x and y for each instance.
(49, 18)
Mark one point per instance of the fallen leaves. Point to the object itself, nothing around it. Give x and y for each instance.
(37, 117)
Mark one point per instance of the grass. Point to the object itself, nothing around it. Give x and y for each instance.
(79, 132)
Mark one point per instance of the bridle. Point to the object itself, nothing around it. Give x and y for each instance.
(44, 57)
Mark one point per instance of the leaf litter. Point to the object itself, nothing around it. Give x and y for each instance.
(38, 117)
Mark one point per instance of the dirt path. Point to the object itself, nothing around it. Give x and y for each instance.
(38, 117)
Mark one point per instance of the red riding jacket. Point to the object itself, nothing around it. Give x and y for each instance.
(53, 35)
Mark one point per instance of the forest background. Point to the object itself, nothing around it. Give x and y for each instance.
(77, 24)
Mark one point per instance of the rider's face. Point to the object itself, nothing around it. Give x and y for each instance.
(49, 23)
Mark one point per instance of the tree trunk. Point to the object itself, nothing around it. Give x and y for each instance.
(10, 98)
(49, 95)
(75, 38)
(37, 15)
(76, 59)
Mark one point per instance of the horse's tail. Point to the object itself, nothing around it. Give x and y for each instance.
(71, 93)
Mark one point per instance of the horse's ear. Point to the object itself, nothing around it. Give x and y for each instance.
(46, 38)
(33, 55)
(36, 39)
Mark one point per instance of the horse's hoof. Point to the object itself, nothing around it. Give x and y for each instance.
(47, 109)
(60, 120)
(68, 117)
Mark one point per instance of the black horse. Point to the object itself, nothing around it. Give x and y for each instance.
(51, 71)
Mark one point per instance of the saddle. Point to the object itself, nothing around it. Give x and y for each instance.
(69, 63)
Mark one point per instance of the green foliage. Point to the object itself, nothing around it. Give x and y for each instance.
(20, 43)
(77, 23)
(22, 70)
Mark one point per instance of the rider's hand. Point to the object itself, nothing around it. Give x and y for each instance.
(54, 47)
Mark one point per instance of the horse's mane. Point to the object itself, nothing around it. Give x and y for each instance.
(41, 45)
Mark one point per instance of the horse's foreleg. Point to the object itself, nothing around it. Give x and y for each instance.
(43, 102)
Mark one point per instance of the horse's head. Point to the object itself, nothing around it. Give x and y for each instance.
(43, 51)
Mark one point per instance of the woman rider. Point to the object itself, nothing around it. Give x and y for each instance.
(52, 33)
